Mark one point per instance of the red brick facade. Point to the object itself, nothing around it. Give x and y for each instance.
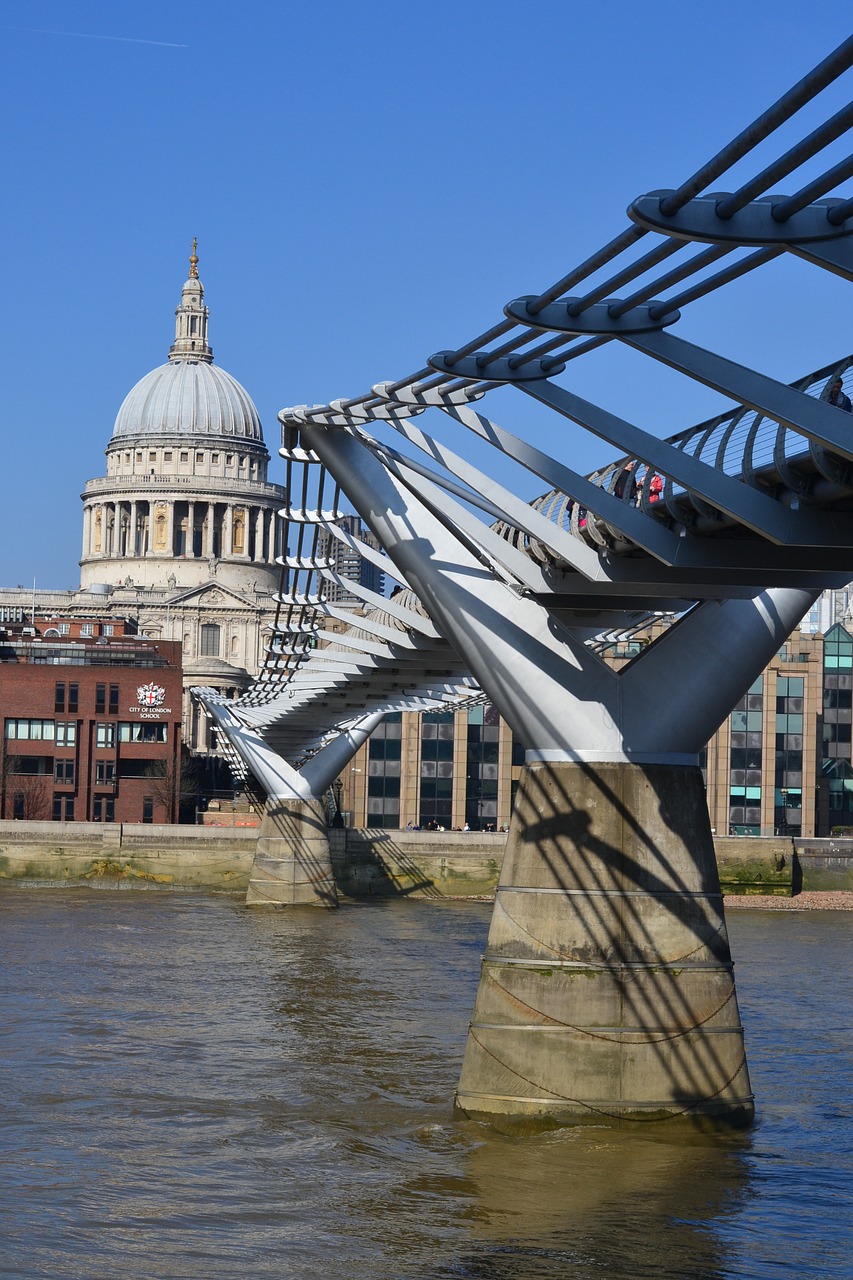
(91, 723)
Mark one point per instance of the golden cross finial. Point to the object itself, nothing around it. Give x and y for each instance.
(194, 261)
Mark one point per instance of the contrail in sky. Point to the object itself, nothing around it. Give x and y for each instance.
(85, 35)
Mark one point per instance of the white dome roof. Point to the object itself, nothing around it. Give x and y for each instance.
(188, 398)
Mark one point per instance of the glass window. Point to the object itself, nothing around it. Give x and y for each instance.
(59, 696)
(209, 640)
(87, 629)
(100, 699)
(27, 729)
(113, 699)
(73, 695)
(129, 731)
(66, 733)
(105, 735)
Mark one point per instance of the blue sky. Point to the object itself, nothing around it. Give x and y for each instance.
(369, 183)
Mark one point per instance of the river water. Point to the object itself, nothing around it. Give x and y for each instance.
(191, 1089)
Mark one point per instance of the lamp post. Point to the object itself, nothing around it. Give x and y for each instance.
(783, 825)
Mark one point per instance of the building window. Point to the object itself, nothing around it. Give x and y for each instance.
(40, 730)
(746, 748)
(105, 772)
(100, 699)
(185, 457)
(87, 629)
(66, 733)
(129, 731)
(383, 773)
(113, 699)
(63, 771)
(59, 696)
(214, 458)
(148, 809)
(199, 457)
(107, 629)
(436, 781)
(481, 770)
(105, 735)
(167, 456)
(209, 646)
(103, 809)
(64, 628)
(73, 695)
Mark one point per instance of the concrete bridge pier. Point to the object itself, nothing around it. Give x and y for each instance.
(607, 991)
(293, 863)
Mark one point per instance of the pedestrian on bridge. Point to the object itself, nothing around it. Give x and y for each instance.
(836, 395)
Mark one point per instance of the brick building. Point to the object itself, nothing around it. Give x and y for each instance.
(91, 721)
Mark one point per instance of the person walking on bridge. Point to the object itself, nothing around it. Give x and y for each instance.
(835, 395)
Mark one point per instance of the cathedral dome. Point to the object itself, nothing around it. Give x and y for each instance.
(188, 398)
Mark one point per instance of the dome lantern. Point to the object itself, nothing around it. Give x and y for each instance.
(189, 396)
(191, 319)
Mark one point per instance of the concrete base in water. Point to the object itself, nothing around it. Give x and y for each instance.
(292, 864)
(607, 993)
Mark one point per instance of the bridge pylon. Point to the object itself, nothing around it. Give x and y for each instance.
(607, 991)
(292, 865)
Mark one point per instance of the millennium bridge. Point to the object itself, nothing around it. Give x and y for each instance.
(607, 990)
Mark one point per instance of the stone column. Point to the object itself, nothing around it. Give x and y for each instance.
(228, 531)
(208, 540)
(115, 541)
(132, 538)
(190, 548)
(87, 531)
(259, 535)
(273, 530)
(170, 527)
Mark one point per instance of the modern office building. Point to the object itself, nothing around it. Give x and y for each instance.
(350, 564)
(780, 763)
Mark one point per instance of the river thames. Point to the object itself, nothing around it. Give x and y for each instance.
(194, 1090)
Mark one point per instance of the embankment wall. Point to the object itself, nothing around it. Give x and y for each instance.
(366, 863)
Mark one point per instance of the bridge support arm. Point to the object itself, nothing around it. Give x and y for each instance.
(292, 864)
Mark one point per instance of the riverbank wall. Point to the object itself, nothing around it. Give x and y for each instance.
(366, 863)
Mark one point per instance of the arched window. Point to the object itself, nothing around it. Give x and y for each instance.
(209, 640)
